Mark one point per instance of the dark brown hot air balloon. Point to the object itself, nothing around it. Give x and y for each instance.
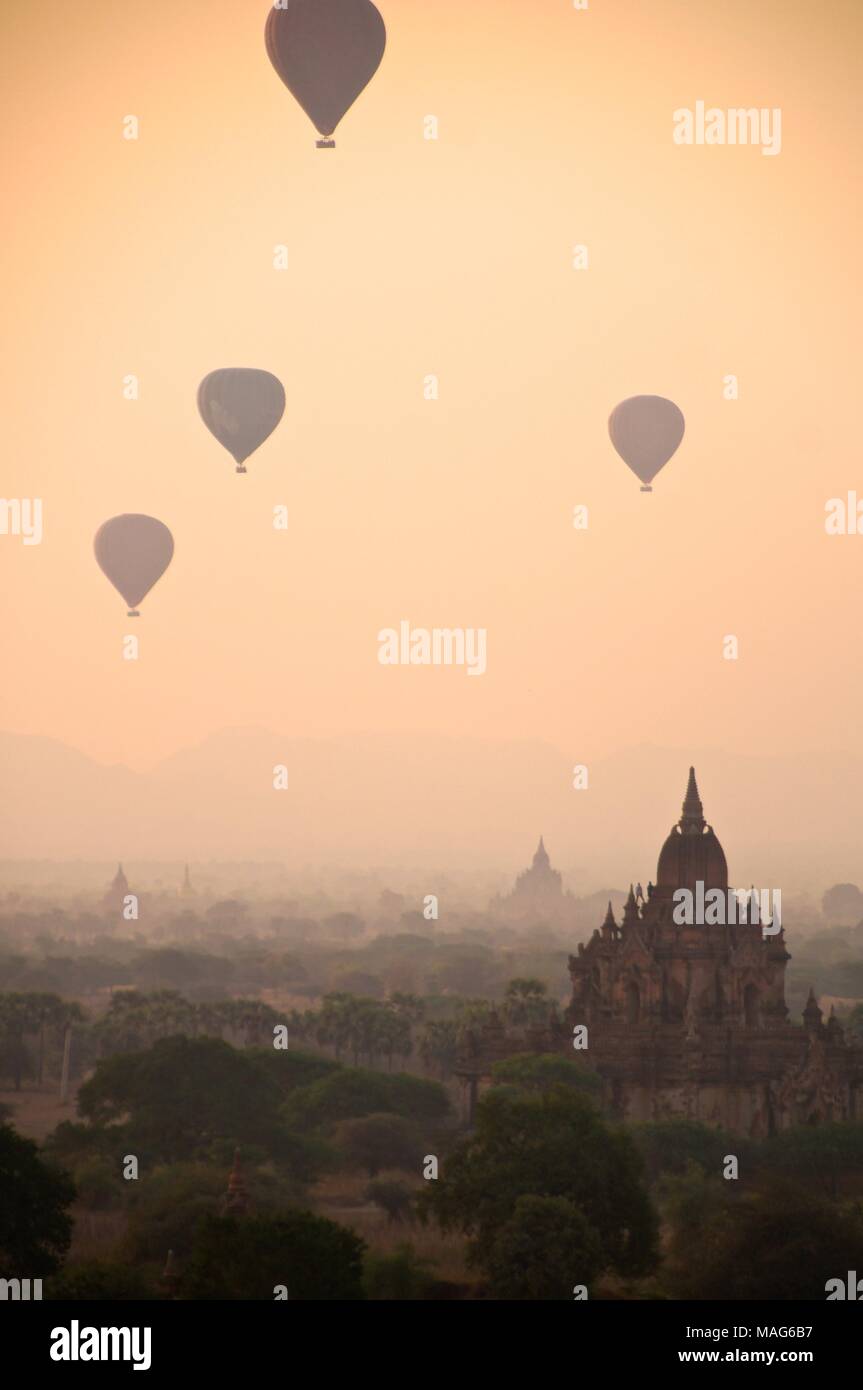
(241, 406)
(326, 52)
(645, 431)
(133, 551)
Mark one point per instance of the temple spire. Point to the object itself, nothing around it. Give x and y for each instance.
(812, 1014)
(693, 811)
(541, 856)
(630, 908)
(236, 1201)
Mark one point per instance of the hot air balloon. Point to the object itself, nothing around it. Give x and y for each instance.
(645, 431)
(241, 406)
(325, 52)
(133, 551)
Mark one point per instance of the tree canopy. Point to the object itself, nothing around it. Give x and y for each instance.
(181, 1095)
(312, 1257)
(353, 1092)
(35, 1226)
(550, 1144)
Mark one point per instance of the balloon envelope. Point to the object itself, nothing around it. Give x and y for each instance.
(645, 431)
(241, 406)
(326, 52)
(133, 551)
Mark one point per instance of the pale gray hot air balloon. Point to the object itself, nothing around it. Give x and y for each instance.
(325, 52)
(645, 431)
(241, 406)
(133, 551)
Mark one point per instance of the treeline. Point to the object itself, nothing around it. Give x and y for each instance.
(401, 1028)
(409, 963)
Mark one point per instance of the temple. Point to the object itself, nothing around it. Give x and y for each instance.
(690, 1020)
(538, 894)
(115, 898)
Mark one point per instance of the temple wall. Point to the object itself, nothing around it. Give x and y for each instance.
(738, 1109)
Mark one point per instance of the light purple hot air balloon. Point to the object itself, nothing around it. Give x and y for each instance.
(133, 551)
(241, 407)
(325, 52)
(645, 431)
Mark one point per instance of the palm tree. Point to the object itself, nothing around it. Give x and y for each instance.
(526, 1001)
(14, 1024)
(254, 1018)
(335, 1022)
(410, 1005)
(394, 1035)
(439, 1046)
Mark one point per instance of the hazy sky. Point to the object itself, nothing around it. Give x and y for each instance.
(454, 257)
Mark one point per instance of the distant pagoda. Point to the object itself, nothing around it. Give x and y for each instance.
(538, 895)
(115, 897)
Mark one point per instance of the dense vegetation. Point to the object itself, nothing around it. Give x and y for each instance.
(359, 1178)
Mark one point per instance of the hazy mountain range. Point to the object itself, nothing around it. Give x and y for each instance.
(433, 802)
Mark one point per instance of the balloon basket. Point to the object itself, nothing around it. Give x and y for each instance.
(241, 469)
(646, 488)
(133, 613)
(325, 144)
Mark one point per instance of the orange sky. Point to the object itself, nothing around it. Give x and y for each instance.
(409, 257)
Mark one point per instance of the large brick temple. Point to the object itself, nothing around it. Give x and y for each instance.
(691, 1020)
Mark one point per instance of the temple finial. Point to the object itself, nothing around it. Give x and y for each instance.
(693, 811)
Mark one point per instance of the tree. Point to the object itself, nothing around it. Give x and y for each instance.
(169, 968)
(392, 1034)
(402, 1276)
(467, 969)
(545, 1248)
(669, 1146)
(35, 1226)
(248, 1258)
(526, 1002)
(166, 1205)
(134, 1021)
(393, 1197)
(439, 1046)
(780, 1244)
(343, 925)
(352, 1092)
(255, 1019)
(540, 1071)
(100, 1280)
(335, 1022)
(409, 1005)
(380, 1141)
(48, 1013)
(552, 1144)
(15, 1059)
(180, 1096)
(290, 1068)
(31, 1014)
(99, 1183)
(818, 1156)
